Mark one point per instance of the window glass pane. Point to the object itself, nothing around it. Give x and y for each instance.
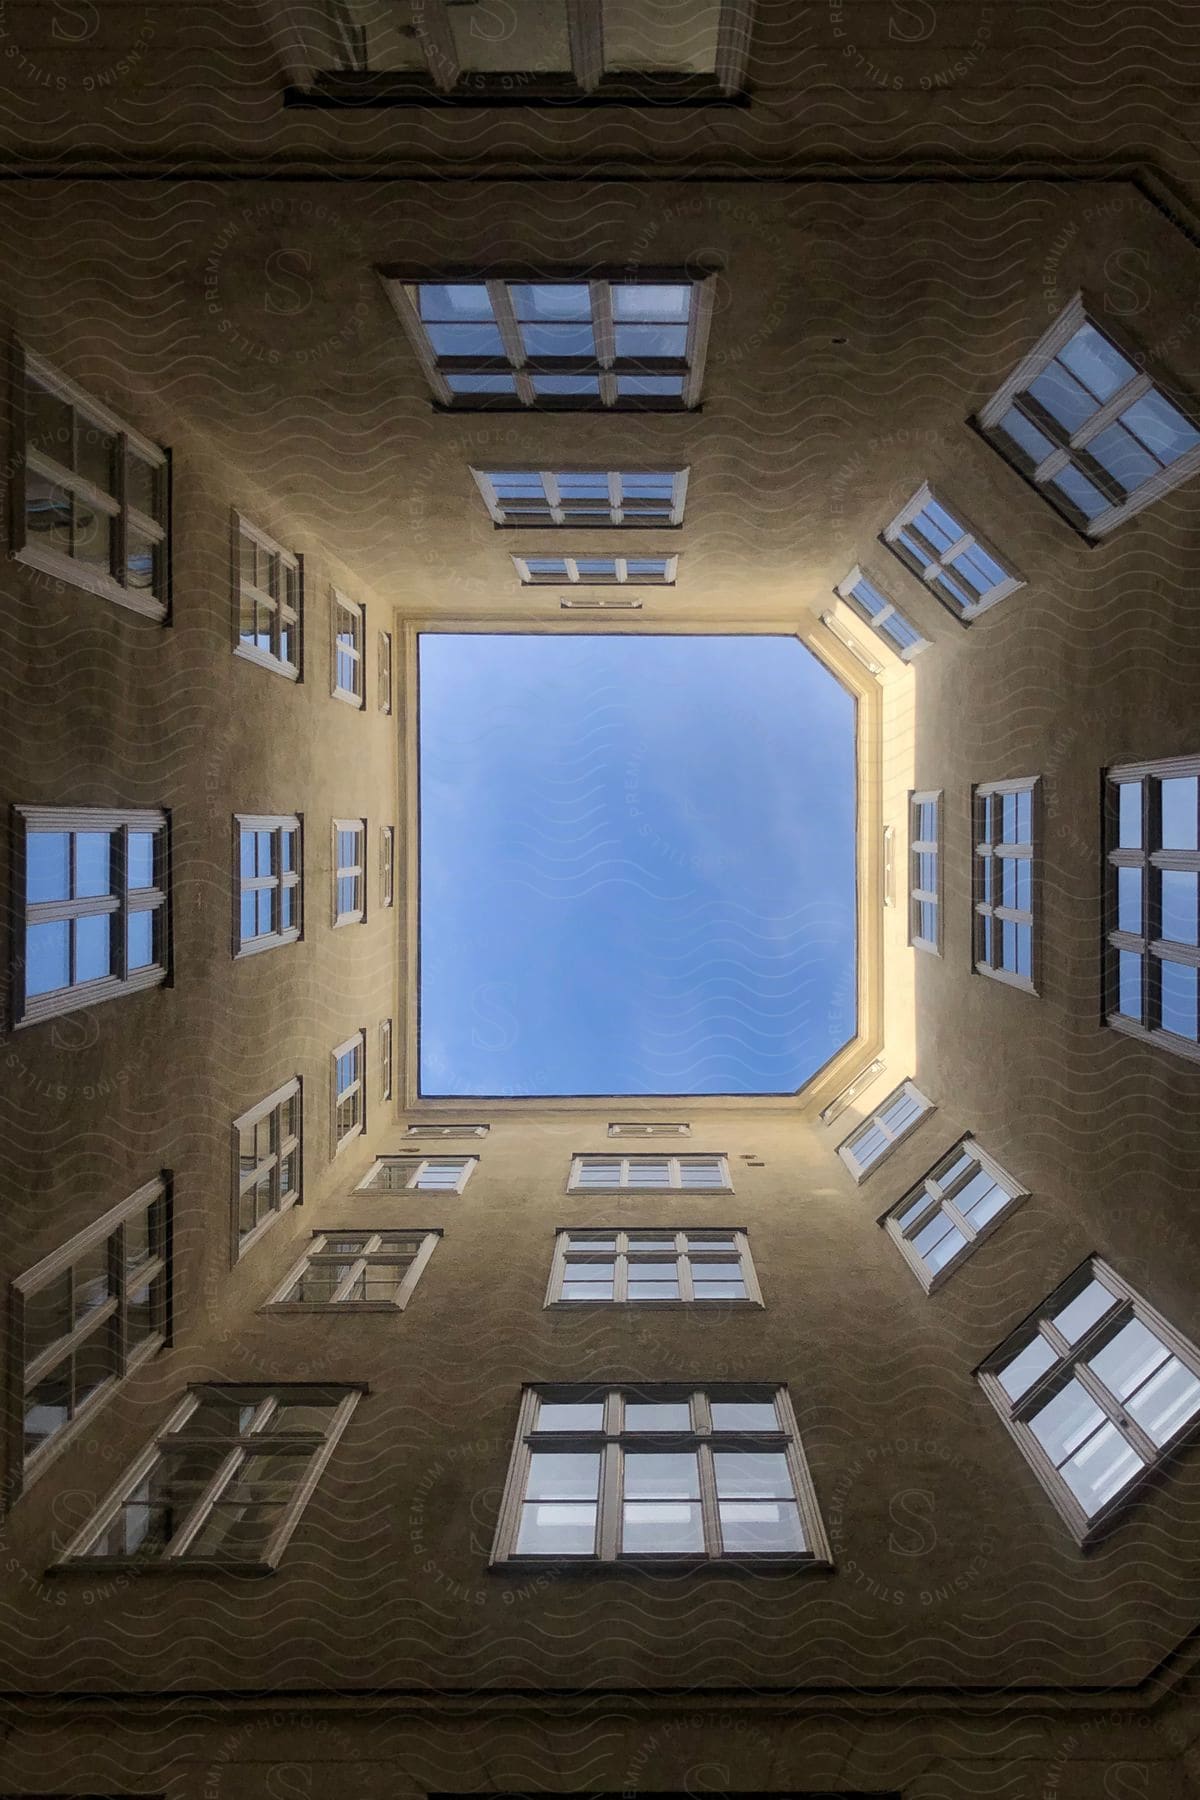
(1121, 455)
(651, 340)
(1064, 398)
(1083, 494)
(93, 959)
(139, 561)
(47, 865)
(141, 859)
(47, 513)
(661, 1475)
(142, 486)
(577, 1415)
(1080, 1314)
(47, 1316)
(302, 1416)
(555, 338)
(661, 1527)
(556, 1529)
(1066, 1421)
(1179, 994)
(657, 1287)
(91, 863)
(1026, 435)
(455, 300)
(47, 1410)
(652, 301)
(990, 1199)
(91, 1281)
(141, 940)
(1128, 1359)
(645, 386)
(563, 1475)
(140, 1235)
(49, 424)
(1179, 816)
(1129, 900)
(752, 1474)
(1169, 1399)
(575, 1289)
(663, 1415)
(1161, 427)
(481, 339)
(566, 384)
(760, 1527)
(1018, 1376)
(1097, 363)
(139, 1315)
(1129, 984)
(1179, 905)
(1129, 815)
(481, 384)
(744, 1415)
(1100, 1468)
(47, 957)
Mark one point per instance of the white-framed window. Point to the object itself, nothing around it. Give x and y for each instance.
(90, 495)
(883, 616)
(1098, 1390)
(433, 1174)
(961, 1201)
(446, 1131)
(385, 1059)
(349, 871)
(80, 1321)
(1006, 824)
(635, 1128)
(615, 342)
(925, 871)
(671, 1267)
(1152, 927)
(577, 498)
(1085, 423)
(652, 1173)
(268, 896)
(659, 1473)
(888, 1125)
(596, 571)
(564, 53)
(223, 1484)
(384, 681)
(349, 1090)
(267, 1164)
(90, 912)
(387, 865)
(349, 621)
(268, 599)
(356, 1271)
(956, 563)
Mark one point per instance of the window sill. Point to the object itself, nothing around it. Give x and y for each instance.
(1007, 979)
(67, 1000)
(357, 701)
(174, 1565)
(256, 946)
(262, 659)
(686, 1562)
(90, 581)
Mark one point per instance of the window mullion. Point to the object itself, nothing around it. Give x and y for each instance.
(608, 1522)
(203, 1505)
(709, 1509)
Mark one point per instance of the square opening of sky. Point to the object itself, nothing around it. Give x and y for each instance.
(637, 864)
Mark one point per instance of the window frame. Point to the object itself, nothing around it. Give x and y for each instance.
(356, 915)
(387, 866)
(586, 515)
(279, 607)
(674, 1182)
(340, 603)
(612, 1440)
(357, 1041)
(27, 1010)
(1153, 864)
(943, 1198)
(280, 878)
(918, 847)
(370, 1185)
(384, 673)
(75, 1557)
(284, 1147)
(941, 563)
(28, 365)
(680, 1260)
(402, 286)
(1068, 1365)
(572, 578)
(981, 851)
(876, 621)
(111, 1317)
(385, 1059)
(429, 1235)
(860, 1170)
(1070, 448)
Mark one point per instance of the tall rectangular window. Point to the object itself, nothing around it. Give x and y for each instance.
(434, 1174)
(582, 342)
(1006, 824)
(887, 1126)
(223, 1484)
(659, 1474)
(349, 635)
(267, 898)
(649, 1172)
(267, 1164)
(925, 872)
(268, 586)
(1086, 424)
(583, 499)
(349, 1090)
(956, 564)
(90, 913)
(349, 871)
(385, 1059)
(81, 1320)
(1152, 940)
(356, 1271)
(668, 1267)
(387, 865)
(596, 571)
(89, 494)
(960, 1202)
(384, 683)
(882, 615)
(1098, 1390)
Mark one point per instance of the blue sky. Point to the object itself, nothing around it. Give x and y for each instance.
(637, 864)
